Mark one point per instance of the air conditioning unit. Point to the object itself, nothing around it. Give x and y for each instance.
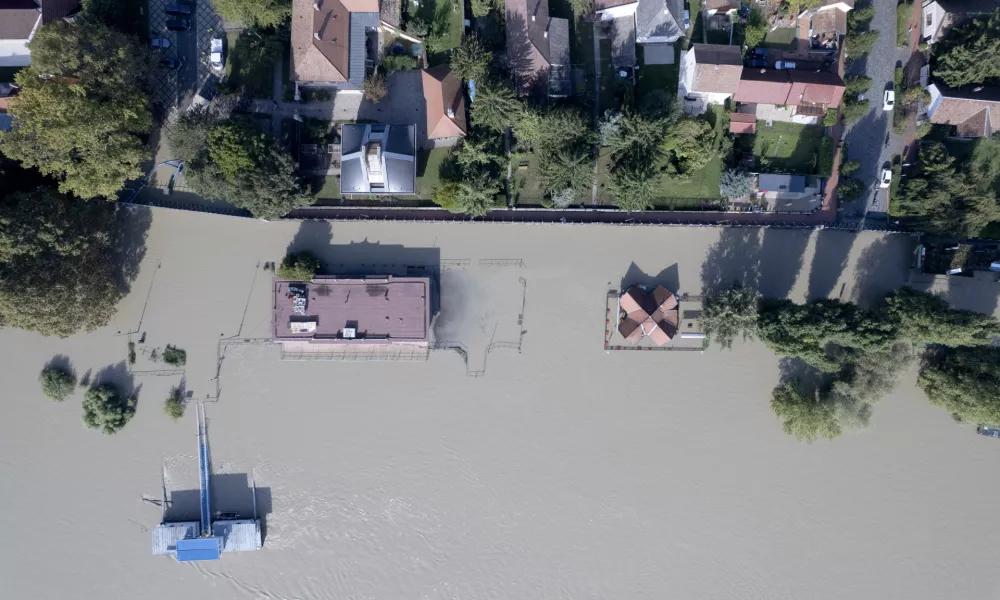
(349, 333)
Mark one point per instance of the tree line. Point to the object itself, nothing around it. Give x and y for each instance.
(841, 359)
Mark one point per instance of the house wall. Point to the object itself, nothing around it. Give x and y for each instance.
(615, 12)
(685, 82)
(937, 16)
(14, 53)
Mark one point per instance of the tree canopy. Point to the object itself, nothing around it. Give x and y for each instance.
(255, 13)
(57, 263)
(969, 53)
(965, 382)
(105, 410)
(57, 384)
(803, 413)
(299, 266)
(684, 145)
(234, 161)
(736, 183)
(948, 200)
(922, 317)
(495, 107)
(730, 314)
(82, 111)
(470, 60)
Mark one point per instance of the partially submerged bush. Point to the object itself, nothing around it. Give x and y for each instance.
(298, 266)
(57, 384)
(174, 404)
(172, 355)
(105, 410)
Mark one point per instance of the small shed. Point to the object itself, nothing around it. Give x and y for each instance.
(200, 548)
(742, 123)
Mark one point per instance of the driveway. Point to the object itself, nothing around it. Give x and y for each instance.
(174, 89)
(866, 138)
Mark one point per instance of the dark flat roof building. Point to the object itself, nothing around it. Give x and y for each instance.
(370, 310)
(378, 159)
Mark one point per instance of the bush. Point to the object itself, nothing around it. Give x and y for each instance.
(923, 129)
(391, 62)
(106, 411)
(174, 404)
(57, 384)
(736, 183)
(824, 159)
(850, 188)
(375, 87)
(298, 266)
(172, 355)
(849, 167)
(854, 110)
(830, 118)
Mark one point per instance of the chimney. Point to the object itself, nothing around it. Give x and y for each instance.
(545, 33)
(316, 35)
(333, 41)
(532, 18)
(450, 112)
(716, 67)
(316, 6)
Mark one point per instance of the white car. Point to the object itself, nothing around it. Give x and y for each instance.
(888, 100)
(216, 57)
(886, 179)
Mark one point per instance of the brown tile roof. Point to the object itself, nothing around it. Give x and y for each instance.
(742, 123)
(442, 90)
(725, 5)
(311, 57)
(814, 87)
(648, 314)
(973, 118)
(527, 41)
(17, 18)
(717, 68)
(764, 86)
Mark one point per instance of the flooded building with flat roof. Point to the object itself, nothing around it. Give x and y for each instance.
(369, 311)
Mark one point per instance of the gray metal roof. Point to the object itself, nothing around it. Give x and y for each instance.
(166, 535)
(781, 183)
(402, 140)
(659, 19)
(399, 161)
(356, 60)
(241, 535)
(558, 41)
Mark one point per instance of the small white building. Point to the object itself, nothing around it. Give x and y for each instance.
(20, 20)
(938, 15)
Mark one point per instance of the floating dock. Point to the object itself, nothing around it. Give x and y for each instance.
(206, 539)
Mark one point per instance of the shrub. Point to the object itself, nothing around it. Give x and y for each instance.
(830, 118)
(824, 159)
(174, 404)
(298, 266)
(375, 87)
(736, 183)
(392, 62)
(131, 353)
(923, 129)
(106, 411)
(57, 384)
(850, 188)
(854, 110)
(172, 355)
(849, 167)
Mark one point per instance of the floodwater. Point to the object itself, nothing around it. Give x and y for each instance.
(556, 471)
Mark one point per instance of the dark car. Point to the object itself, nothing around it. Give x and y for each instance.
(988, 431)
(178, 24)
(178, 9)
(757, 61)
(171, 63)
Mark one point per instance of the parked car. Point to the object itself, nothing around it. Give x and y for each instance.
(178, 24)
(159, 43)
(171, 63)
(182, 10)
(888, 100)
(756, 61)
(885, 179)
(784, 64)
(988, 431)
(216, 56)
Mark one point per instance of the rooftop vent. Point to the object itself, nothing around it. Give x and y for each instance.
(316, 6)
(349, 333)
(316, 35)
(451, 113)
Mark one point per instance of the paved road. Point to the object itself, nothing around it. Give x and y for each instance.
(866, 138)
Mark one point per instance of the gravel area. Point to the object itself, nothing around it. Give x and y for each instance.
(866, 138)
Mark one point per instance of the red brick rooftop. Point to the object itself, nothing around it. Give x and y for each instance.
(381, 309)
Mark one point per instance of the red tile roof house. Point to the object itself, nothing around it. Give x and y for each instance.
(20, 19)
(825, 23)
(334, 42)
(709, 74)
(792, 96)
(538, 49)
(972, 112)
(356, 312)
(657, 24)
(445, 100)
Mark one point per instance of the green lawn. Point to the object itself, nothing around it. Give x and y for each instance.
(702, 186)
(782, 38)
(429, 170)
(444, 18)
(787, 147)
(250, 63)
(325, 188)
(657, 77)
(903, 12)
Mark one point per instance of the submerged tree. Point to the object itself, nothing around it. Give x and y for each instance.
(57, 384)
(803, 413)
(299, 266)
(965, 382)
(730, 314)
(925, 318)
(105, 410)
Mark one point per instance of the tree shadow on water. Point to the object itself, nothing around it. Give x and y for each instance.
(668, 278)
(828, 262)
(119, 377)
(734, 258)
(781, 256)
(881, 268)
(61, 362)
